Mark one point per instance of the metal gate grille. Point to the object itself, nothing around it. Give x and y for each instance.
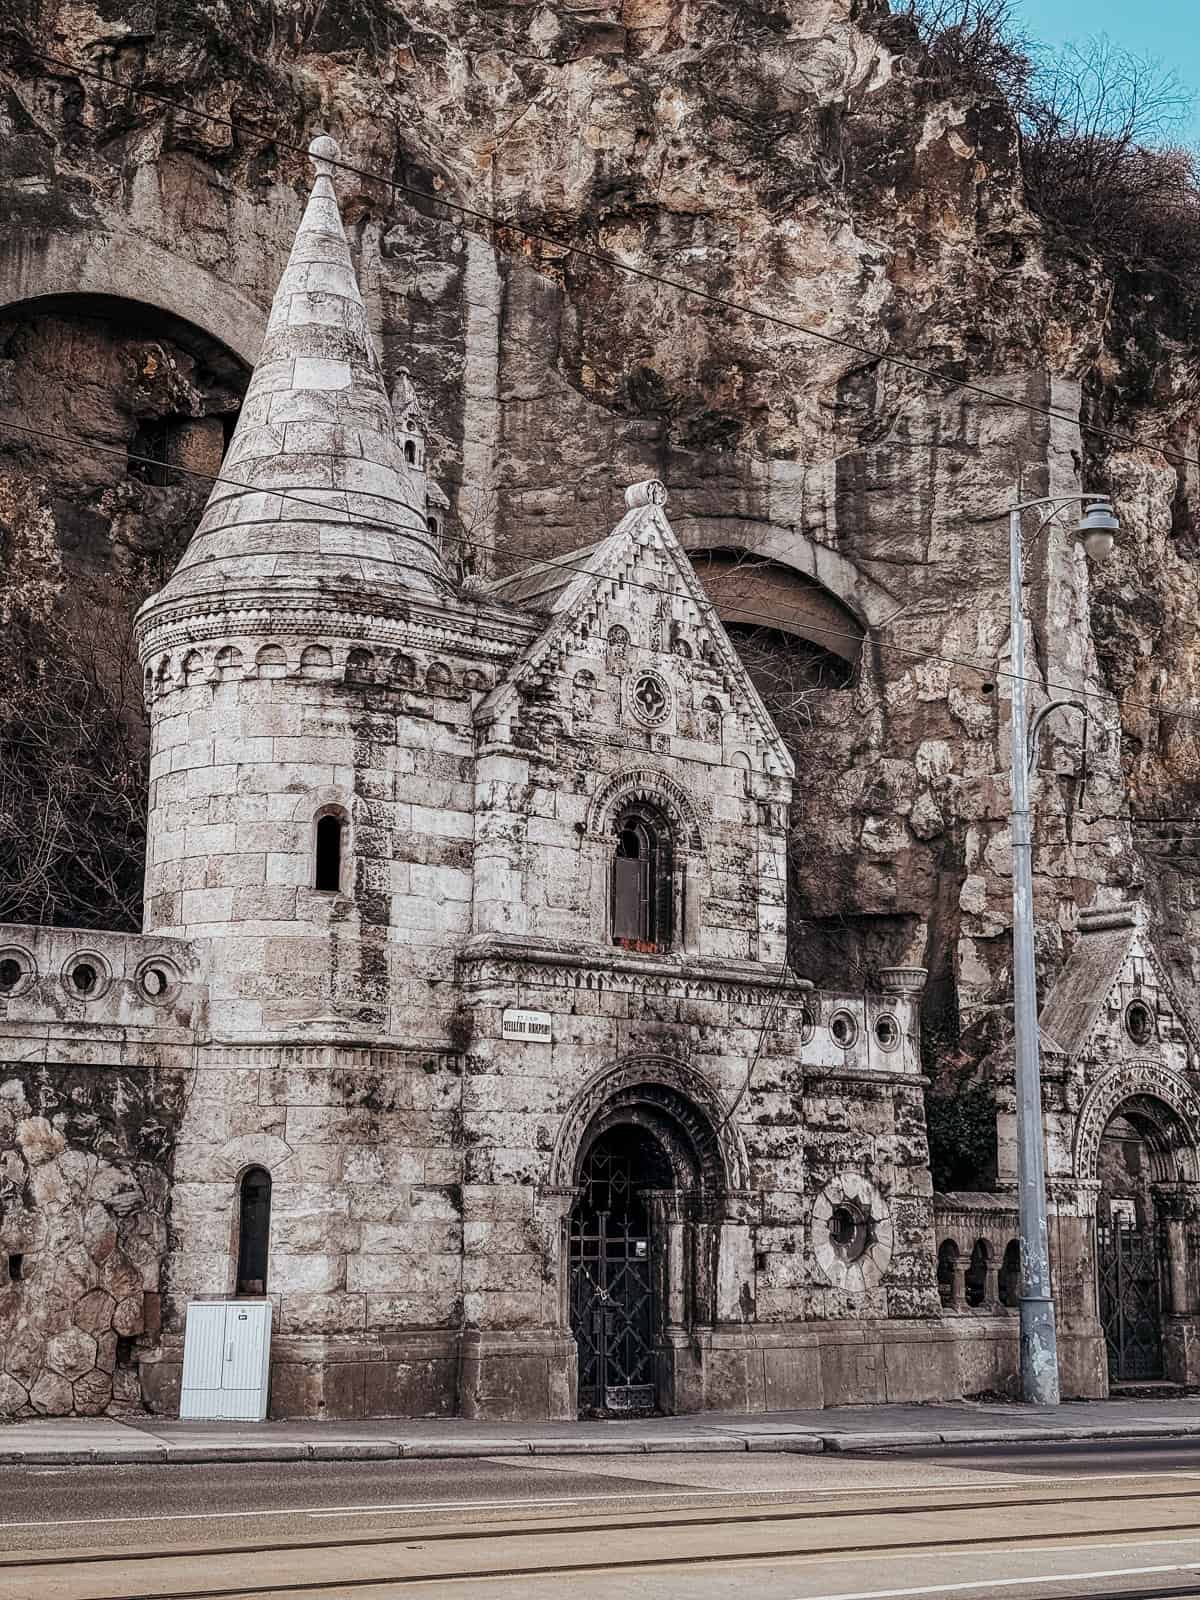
(1130, 1276)
(612, 1299)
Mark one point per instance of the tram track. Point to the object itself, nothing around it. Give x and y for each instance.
(533, 1550)
(625, 1519)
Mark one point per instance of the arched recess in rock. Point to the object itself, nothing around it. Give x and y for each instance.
(90, 372)
(762, 575)
(125, 398)
(125, 266)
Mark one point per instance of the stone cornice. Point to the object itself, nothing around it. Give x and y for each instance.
(494, 959)
(337, 1053)
(350, 614)
(864, 1075)
(974, 1210)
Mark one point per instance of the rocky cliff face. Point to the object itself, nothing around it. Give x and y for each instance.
(784, 158)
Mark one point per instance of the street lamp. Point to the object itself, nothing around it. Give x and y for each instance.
(1039, 1344)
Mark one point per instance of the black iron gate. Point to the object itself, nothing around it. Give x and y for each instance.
(612, 1293)
(1129, 1264)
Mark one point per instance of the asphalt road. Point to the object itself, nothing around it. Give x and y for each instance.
(1017, 1523)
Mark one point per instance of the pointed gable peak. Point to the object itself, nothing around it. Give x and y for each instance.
(314, 490)
(582, 588)
(1114, 964)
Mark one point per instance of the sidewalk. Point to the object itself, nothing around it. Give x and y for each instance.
(103, 1441)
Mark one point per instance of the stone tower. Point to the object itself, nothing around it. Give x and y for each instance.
(270, 815)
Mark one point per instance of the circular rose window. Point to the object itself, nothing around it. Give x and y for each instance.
(1139, 1022)
(650, 699)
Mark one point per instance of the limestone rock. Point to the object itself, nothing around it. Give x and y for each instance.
(71, 1354)
(13, 1396)
(94, 1312)
(92, 1393)
(52, 1395)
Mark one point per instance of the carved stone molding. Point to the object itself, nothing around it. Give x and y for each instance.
(668, 1089)
(657, 788)
(569, 970)
(1130, 1081)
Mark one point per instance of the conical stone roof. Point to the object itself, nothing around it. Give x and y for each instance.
(315, 491)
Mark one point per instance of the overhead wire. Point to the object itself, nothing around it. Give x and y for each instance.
(986, 669)
(608, 259)
(491, 219)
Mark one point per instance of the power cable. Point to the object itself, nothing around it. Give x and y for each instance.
(986, 670)
(606, 259)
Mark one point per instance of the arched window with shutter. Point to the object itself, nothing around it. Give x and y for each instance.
(642, 880)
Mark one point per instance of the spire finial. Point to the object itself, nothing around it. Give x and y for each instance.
(324, 152)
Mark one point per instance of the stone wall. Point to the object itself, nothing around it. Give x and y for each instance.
(364, 1149)
(252, 741)
(93, 1089)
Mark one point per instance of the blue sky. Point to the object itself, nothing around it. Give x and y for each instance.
(1163, 28)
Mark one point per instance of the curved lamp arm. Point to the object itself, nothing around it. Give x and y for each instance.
(1035, 727)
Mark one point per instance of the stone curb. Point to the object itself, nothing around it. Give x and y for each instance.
(163, 1453)
(1081, 1434)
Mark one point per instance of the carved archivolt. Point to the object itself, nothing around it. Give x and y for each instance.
(667, 1094)
(1157, 1089)
(655, 788)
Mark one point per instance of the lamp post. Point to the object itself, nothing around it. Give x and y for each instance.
(1039, 1344)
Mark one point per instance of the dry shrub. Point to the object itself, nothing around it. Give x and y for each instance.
(970, 47)
(73, 780)
(1101, 156)
(1100, 129)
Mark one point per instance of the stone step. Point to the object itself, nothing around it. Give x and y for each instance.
(1149, 1389)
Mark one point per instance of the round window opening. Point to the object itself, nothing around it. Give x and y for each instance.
(849, 1233)
(807, 1024)
(84, 978)
(10, 974)
(1139, 1022)
(844, 1029)
(650, 699)
(887, 1032)
(155, 982)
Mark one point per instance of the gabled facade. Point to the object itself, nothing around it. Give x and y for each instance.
(461, 1025)
(1121, 1098)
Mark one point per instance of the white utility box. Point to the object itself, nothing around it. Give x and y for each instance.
(226, 1361)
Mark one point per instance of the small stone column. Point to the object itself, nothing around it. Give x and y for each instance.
(1177, 1208)
(991, 1283)
(958, 1284)
(735, 1258)
(552, 1209)
(670, 1234)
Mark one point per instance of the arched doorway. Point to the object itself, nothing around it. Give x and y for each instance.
(657, 1243)
(1131, 1246)
(1137, 1157)
(614, 1254)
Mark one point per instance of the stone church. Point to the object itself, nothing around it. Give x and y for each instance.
(461, 1025)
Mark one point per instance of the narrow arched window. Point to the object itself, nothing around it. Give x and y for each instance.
(330, 848)
(642, 885)
(254, 1231)
(410, 452)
